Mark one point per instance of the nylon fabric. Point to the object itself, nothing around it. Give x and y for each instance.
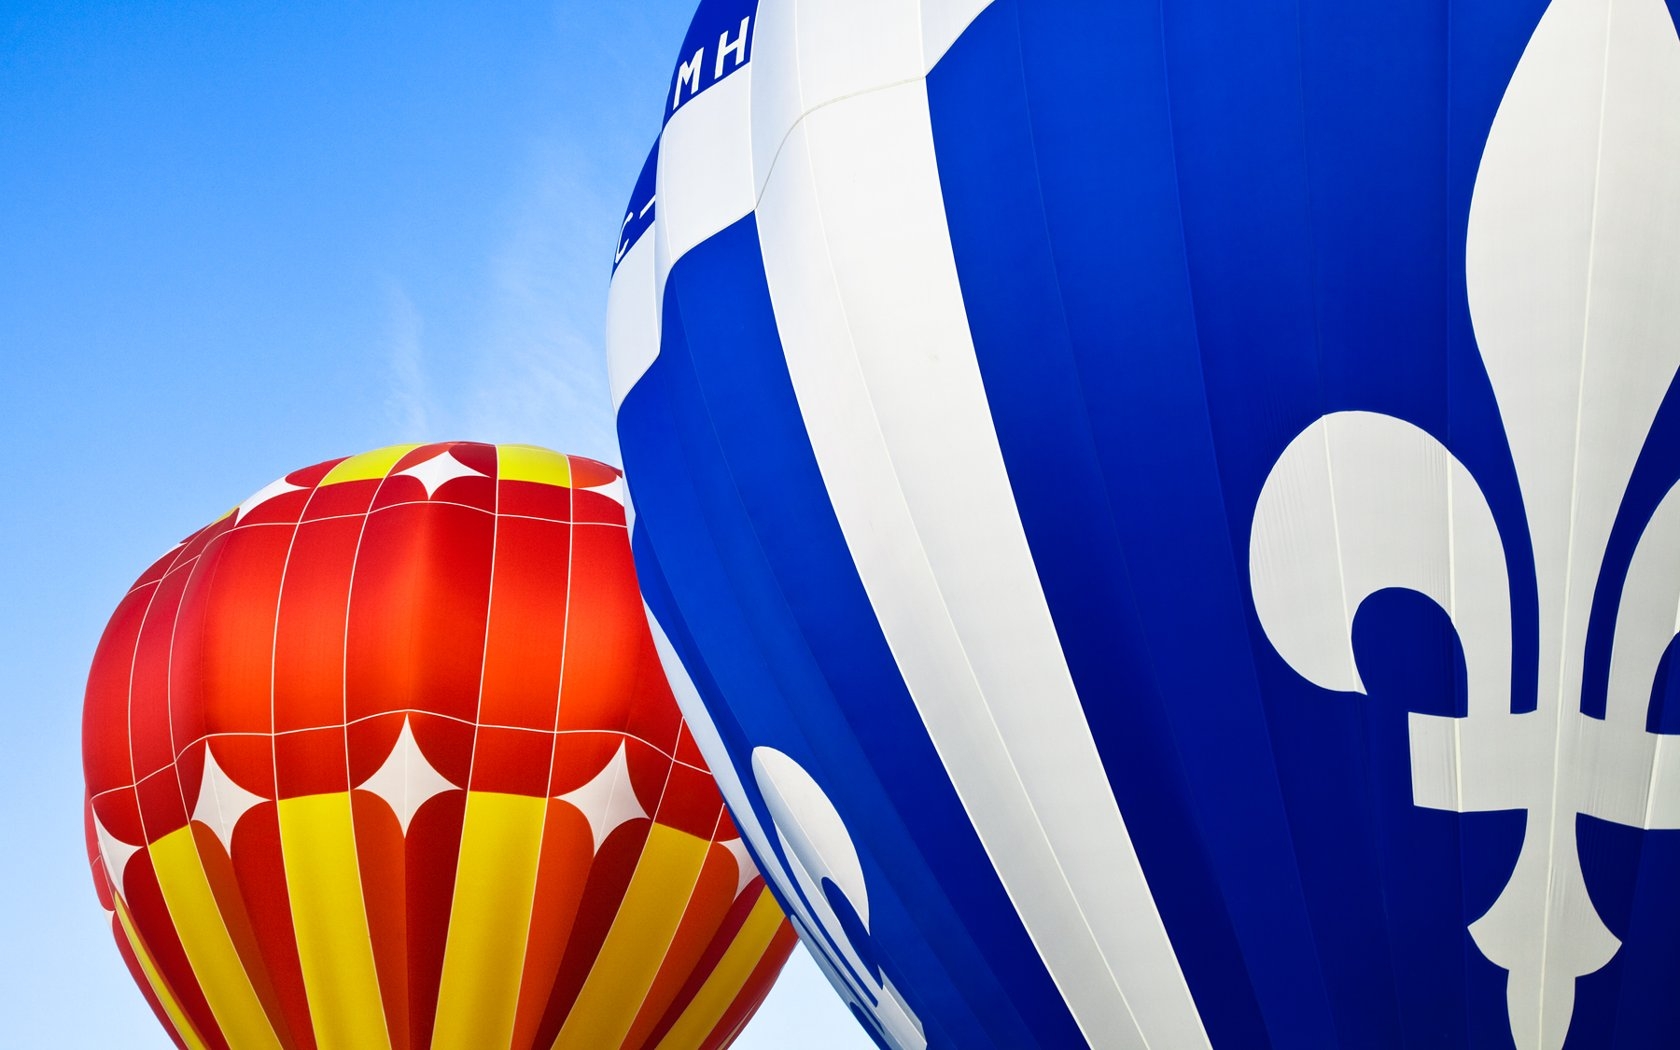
(352, 830)
(1283, 316)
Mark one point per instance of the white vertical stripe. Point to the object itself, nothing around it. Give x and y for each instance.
(632, 319)
(821, 51)
(848, 47)
(704, 181)
(867, 301)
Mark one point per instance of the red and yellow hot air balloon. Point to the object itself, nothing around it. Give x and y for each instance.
(384, 758)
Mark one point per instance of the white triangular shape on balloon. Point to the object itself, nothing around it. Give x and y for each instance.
(278, 487)
(613, 490)
(221, 802)
(745, 870)
(114, 853)
(608, 800)
(441, 469)
(407, 780)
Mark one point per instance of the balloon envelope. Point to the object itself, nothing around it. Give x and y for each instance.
(1169, 507)
(383, 757)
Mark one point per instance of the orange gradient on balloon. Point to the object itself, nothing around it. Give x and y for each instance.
(383, 759)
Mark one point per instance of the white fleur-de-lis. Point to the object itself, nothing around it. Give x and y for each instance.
(1572, 254)
(819, 850)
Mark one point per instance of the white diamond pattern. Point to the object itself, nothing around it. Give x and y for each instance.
(221, 802)
(442, 468)
(745, 870)
(407, 780)
(608, 800)
(613, 490)
(278, 487)
(114, 852)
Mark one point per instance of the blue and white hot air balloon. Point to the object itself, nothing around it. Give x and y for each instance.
(1169, 510)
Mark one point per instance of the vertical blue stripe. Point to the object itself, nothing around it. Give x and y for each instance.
(1069, 247)
(738, 525)
(1152, 332)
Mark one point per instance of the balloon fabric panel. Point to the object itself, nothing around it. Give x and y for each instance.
(1319, 357)
(340, 794)
(747, 643)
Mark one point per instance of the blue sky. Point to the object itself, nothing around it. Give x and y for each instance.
(239, 238)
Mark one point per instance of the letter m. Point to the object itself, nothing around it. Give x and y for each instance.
(688, 73)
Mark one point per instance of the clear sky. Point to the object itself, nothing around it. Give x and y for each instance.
(240, 238)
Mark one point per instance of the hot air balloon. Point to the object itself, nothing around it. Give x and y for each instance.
(1162, 515)
(383, 757)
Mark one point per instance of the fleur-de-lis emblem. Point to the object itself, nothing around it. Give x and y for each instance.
(814, 862)
(819, 852)
(1572, 260)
